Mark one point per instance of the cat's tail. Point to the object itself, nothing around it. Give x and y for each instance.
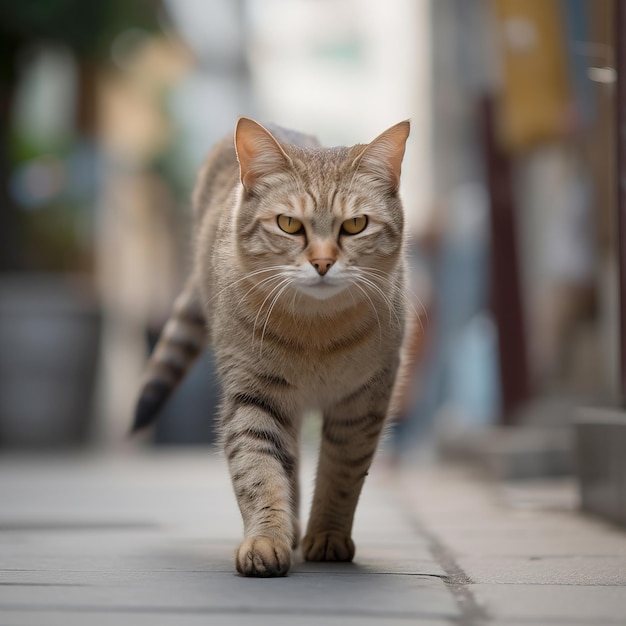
(180, 343)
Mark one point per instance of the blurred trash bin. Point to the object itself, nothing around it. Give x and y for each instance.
(49, 343)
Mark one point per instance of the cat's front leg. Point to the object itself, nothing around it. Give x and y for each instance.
(260, 444)
(350, 434)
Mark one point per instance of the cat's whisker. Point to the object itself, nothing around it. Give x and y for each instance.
(374, 270)
(259, 285)
(406, 289)
(418, 317)
(403, 292)
(380, 328)
(379, 275)
(271, 293)
(249, 275)
(296, 295)
(267, 297)
(354, 301)
(417, 299)
(384, 297)
(380, 293)
(375, 273)
(269, 312)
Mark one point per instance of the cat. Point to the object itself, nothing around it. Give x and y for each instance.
(298, 283)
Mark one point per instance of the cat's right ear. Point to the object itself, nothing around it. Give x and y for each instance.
(258, 153)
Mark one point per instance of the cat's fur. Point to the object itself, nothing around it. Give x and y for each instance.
(314, 319)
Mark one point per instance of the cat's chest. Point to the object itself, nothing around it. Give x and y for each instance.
(326, 358)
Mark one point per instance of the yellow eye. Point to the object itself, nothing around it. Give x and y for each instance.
(291, 225)
(354, 225)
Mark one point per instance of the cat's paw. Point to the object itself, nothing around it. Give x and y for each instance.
(327, 546)
(263, 557)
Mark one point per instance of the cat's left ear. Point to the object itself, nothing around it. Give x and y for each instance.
(258, 153)
(382, 158)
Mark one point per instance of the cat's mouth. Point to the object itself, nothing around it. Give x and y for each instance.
(322, 288)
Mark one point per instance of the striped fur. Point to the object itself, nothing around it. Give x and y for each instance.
(180, 344)
(289, 336)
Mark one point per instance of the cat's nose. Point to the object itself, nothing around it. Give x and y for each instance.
(322, 265)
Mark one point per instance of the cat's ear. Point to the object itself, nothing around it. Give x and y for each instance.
(382, 158)
(258, 153)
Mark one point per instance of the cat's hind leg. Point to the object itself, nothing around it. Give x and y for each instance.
(350, 434)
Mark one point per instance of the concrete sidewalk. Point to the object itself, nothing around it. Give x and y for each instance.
(149, 538)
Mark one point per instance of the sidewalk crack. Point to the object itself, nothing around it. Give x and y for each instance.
(472, 614)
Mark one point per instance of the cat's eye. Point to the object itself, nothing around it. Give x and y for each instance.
(354, 225)
(291, 225)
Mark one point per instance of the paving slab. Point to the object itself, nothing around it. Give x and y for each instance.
(358, 593)
(83, 618)
(548, 604)
(544, 570)
(526, 552)
(160, 551)
(132, 539)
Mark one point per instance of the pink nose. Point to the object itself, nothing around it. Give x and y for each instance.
(322, 265)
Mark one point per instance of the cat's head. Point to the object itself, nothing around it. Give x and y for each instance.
(322, 221)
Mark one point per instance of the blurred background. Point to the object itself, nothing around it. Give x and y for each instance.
(108, 109)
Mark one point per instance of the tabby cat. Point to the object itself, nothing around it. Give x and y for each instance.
(299, 285)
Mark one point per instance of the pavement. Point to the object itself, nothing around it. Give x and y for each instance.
(147, 537)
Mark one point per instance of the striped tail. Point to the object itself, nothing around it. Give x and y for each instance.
(180, 343)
